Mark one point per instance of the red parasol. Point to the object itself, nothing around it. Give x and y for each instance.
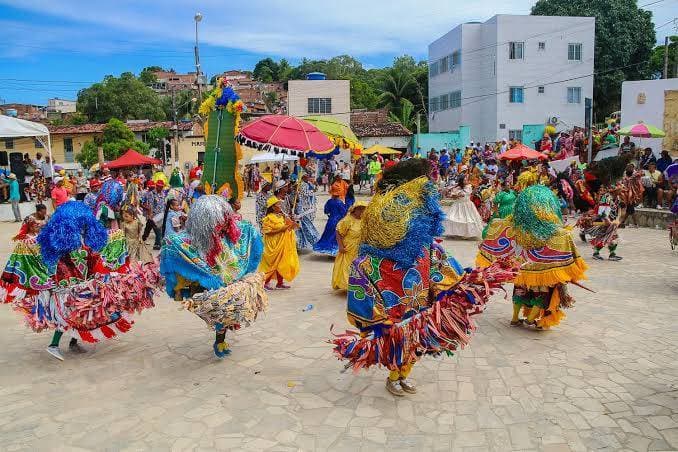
(286, 134)
(131, 158)
(522, 152)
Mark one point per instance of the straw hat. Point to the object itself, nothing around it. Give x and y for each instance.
(271, 202)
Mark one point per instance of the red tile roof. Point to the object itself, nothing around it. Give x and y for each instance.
(99, 128)
(376, 123)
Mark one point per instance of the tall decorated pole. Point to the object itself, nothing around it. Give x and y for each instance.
(222, 153)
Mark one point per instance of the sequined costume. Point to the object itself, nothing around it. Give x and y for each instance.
(535, 237)
(211, 267)
(76, 277)
(405, 295)
(307, 234)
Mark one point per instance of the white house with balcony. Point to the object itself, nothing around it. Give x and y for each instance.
(510, 71)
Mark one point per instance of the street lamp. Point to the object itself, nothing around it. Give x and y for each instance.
(197, 18)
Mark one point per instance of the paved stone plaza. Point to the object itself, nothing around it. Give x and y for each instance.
(606, 379)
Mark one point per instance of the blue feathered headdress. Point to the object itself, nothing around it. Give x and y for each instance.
(72, 224)
(227, 95)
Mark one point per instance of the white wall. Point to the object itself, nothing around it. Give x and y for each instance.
(487, 73)
(650, 112)
(390, 142)
(338, 90)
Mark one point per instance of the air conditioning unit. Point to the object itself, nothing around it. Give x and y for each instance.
(553, 120)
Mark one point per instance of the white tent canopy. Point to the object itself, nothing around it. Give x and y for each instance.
(19, 128)
(271, 157)
(16, 128)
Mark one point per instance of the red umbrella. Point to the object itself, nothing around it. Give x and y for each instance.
(286, 134)
(522, 152)
(132, 158)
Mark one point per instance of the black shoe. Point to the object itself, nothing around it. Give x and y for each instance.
(614, 257)
(598, 257)
(582, 237)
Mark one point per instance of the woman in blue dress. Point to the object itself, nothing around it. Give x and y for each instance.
(335, 209)
(307, 234)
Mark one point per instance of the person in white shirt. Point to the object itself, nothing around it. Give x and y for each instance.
(47, 168)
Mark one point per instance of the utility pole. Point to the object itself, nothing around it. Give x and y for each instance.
(418, 131)
(666, 57)
(197, 18)
(176, 130)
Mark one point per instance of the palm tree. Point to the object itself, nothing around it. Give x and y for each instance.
(396, 85)
(406, 114)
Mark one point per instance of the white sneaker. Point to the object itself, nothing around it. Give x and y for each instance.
(54, 351)
(394, 388)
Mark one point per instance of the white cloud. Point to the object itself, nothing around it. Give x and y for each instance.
(287, 28)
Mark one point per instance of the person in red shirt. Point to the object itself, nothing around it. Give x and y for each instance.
(59, 193)
(389, 163)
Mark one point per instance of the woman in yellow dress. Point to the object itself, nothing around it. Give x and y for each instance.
(348, 237)
(280, 258)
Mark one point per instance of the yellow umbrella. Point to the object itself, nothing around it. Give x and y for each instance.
(337, 131)
(379, 149)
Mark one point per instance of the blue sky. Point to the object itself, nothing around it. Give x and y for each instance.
(53, 48)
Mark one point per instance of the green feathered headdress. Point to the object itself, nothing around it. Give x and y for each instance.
(536, 217)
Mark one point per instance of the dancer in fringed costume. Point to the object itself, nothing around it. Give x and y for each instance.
(405, 295)
(602, 224)
(335, 209)
(348, 238)
(76, 277)
(109, 201)
(534, 237)
(280, 259)
(504, 202)
(212, 268)
(307, 234)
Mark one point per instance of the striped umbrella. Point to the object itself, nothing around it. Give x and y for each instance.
(642, 130)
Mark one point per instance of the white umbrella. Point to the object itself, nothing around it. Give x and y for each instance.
(271, 157)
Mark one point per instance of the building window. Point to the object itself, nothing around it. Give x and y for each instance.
(68, 150)
(516, 135)
(433, 69)
(38, 144)
(516, 50)
(444, 102)
(542, 46)
(319, 105)
(574, 52)
(574, 95)
(9, 143)
(444, 64)
(540, 89)
(516, 94)
(455, 99)
(456, 59)
(434, 103)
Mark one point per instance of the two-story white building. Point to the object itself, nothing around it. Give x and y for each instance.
(318, 96)
(511, 71)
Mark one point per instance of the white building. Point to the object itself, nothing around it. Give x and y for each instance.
(61, 105)
(318, 96)
(654, 102)
(511, 71)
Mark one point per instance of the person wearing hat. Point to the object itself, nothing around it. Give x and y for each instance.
(348, 238)
(14, 196)
(281, 190)
(153, 201)
(305, 210)
(59, 193)
(260, 202)
(280, 258)
(91, 197)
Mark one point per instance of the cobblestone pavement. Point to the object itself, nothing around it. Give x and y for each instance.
(606, 379)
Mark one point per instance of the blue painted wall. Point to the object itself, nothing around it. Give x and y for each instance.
(438, 140)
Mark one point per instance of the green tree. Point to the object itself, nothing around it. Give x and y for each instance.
(405, 114)
(124, 97)
(186, 108)
(364, 94)
(397, 84)
(284, 71)
(266, 71)
(118, 138)
(155, 137)
(89, 155)
(77, 118)
(625, 37)
(147, 75)
(657, 59)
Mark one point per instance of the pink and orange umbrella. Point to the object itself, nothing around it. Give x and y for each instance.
(284, 134)
(522, 152)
